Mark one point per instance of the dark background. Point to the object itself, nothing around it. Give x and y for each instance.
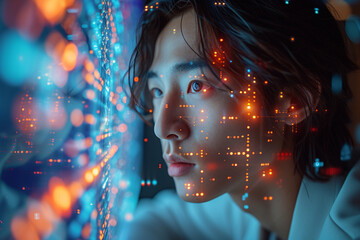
(152, 159)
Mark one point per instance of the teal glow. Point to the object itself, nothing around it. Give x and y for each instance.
(18, 58)
(352, 28)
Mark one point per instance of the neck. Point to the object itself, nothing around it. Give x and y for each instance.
(272, 199)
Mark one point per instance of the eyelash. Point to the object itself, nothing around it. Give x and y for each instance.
(203, 87)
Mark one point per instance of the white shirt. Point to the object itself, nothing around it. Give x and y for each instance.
(323, 210)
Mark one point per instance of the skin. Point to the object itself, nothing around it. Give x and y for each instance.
(200, 128)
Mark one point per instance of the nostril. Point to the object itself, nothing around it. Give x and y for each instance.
(172, 136)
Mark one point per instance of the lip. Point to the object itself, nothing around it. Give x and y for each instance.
(177, 166)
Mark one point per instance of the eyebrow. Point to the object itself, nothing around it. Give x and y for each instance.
(182, 67)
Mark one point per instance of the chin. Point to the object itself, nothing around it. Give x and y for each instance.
(195, 195)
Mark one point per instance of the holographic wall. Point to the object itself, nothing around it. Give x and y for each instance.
(70, 148)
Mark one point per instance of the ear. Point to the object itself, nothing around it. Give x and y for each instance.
(292, 111)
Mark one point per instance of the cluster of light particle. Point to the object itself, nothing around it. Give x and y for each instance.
(149, 183)
(219, 3)
(186, 106)
(268, 198)
(75, 103)
(151, 7)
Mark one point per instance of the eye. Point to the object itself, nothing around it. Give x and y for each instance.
(196, 86)
(156, 92)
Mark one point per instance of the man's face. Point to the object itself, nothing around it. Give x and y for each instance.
(214, 140)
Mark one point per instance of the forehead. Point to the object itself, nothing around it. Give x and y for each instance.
(177, 41)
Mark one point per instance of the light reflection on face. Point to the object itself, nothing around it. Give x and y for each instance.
(223, 139)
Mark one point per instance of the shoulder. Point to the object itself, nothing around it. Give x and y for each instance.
(168, 216)
(346, 209)
(328, 210)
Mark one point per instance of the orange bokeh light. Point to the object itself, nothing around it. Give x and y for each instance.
(69, 57)
(90, 119)
(122, 128)
(77, 117)
(89, 66)
(61, 197)
(55, 45)
(52, 10)
(90, 94)
(89, 78)
(22, 229)
(89, 177)
(96, 171)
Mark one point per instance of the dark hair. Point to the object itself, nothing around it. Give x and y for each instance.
(294, 45)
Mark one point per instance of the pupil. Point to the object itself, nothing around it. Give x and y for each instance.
(196, 86)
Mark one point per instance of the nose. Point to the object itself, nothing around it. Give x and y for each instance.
(170, 120)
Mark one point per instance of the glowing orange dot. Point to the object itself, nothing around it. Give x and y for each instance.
(96, 171)
(90, 119)
(76, 117)
(122, 128)
(89, 66)
(112, 222)
(69, 57)
(96, 74)
(136, 79)
(89, 177)
(52, 10)
(90, 94)
(128, 217)
(89, 78)
(61, 197)
(55, 45)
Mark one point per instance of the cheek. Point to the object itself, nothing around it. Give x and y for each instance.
(230, 137)
(222, 121)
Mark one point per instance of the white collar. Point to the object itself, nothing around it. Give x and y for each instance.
(313, 204)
